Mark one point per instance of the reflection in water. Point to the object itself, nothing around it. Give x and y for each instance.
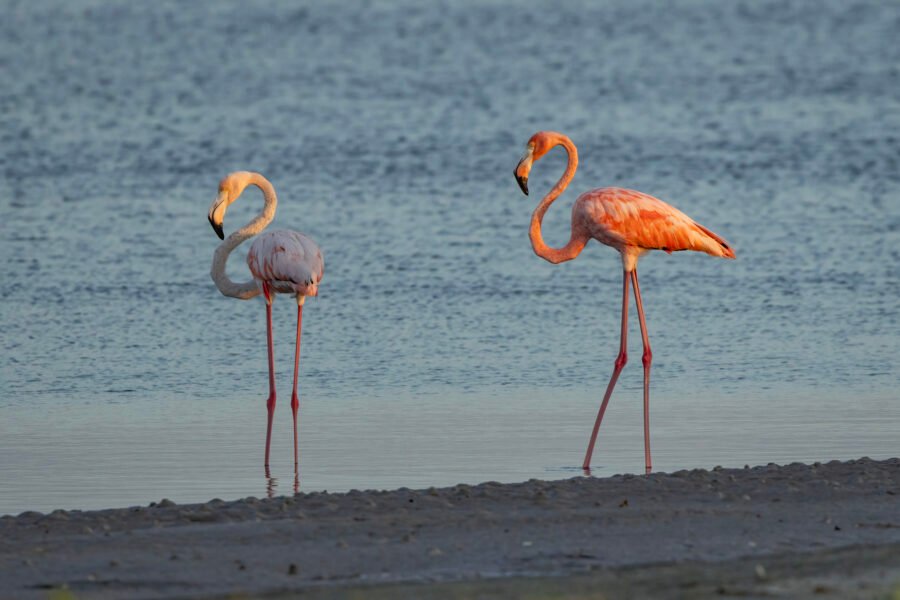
(272, 482)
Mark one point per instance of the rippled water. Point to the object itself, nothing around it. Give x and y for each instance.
(440, 349)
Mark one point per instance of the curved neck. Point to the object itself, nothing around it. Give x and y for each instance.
(578, 238)
(247, 289)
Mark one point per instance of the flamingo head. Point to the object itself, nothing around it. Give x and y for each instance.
(539, 144)
(229, 189)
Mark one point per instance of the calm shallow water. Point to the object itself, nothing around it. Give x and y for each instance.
(441, 349)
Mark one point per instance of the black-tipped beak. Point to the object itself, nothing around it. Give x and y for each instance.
(523, 183)
(523, 168)
(217, 227)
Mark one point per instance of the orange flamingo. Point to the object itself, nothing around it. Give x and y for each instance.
(286, 262)
(632, 223)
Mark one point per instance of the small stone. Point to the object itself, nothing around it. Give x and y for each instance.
(292, 569)
(435, 552)
(760, 572)
(165, 503)
(527, 543)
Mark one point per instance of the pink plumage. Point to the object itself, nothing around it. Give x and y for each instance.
(287, 257)
(621, 218)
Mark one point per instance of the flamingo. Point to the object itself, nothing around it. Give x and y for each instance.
(631, 222)
(281, 262)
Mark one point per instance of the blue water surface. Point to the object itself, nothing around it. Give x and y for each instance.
(440, 348)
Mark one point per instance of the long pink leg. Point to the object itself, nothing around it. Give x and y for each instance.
(295, 400)
(270, 403)
(620, 362)
(647, 358)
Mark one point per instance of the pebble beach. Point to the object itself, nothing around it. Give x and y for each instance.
(821, 528)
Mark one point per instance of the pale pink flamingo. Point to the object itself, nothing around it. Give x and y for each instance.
(281, 261)
(632, 223)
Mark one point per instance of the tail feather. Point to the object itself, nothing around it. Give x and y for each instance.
(721, 247)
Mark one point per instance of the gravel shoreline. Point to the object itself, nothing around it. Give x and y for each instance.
(591, 529)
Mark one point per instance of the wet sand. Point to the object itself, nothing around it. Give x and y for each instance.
(851, 572)
(789, 530)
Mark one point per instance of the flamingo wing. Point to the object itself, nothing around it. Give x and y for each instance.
(287, 257)
(620, 217)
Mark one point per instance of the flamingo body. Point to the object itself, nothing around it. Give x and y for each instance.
(630, 220)
(288, 261)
